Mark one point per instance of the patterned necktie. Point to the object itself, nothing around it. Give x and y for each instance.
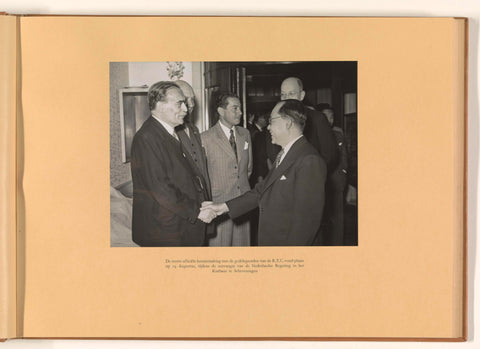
(279, 157)
(232, 143)
(174, 134)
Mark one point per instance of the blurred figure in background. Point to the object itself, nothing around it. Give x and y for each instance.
(259, 149)
(260, 137)
(336, 185)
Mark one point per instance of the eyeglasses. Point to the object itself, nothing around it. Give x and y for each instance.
(289, 95)
(276, 117)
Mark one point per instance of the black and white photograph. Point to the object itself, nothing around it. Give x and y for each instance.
(220, 154)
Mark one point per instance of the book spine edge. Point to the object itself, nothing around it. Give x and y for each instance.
(8, 248)
(465, 181)
(460, 129)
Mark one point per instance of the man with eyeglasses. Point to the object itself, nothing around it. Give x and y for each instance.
(292, 195)
(319, 133)
(168, 188)
(229, 157)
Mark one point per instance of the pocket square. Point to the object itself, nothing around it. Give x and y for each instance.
(283, 178)
(246, 146)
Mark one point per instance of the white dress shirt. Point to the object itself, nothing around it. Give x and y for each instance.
(226, 130)
(287, 148)
(169, 128)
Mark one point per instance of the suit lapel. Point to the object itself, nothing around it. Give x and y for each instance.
(163, 133)
(286, 163)
(186, 142)
(194, 136)
(240, 142)
(223, 142)
(184, 139)
(181, 154)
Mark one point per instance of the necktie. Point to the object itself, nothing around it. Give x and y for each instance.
(232, 143)
(279, 157)
(174, 134)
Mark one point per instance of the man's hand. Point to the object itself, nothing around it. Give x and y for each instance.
(219, 209)
(206, 215)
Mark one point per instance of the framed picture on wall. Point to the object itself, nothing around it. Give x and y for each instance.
(133, 113)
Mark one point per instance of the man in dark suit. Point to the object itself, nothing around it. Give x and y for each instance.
(259, 122)
(319, 133)
(337, 181)
(167, 187)
(293, 192)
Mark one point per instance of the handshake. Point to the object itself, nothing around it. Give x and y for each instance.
(209, 211)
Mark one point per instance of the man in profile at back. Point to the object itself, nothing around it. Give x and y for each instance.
(189, 134)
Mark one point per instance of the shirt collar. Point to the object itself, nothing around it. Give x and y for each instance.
(226, 130)
(288, 146)
(169, 128)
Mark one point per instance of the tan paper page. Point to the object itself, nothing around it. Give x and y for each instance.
(400, 281)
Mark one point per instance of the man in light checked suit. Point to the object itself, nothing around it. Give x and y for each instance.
(229, 160)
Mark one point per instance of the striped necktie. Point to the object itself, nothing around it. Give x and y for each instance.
(232, 143)
(174, 134)
(279, 158)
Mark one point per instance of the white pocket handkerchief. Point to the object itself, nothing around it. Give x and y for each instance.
(283, 178)
(246, 146)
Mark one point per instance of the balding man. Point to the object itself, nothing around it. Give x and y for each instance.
(317, 130)
(291, 197)
(189, 134)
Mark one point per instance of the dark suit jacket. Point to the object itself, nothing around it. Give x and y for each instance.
(259, 152)
(291, 199)
(167, 190)
(253, 130)
(193, 144)
(342, 150)
(319, 133)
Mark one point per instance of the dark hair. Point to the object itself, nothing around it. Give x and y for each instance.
(158, 92)
(322, 106)
(295, 110)
(329, 109)
(265, 116)
(222, 99)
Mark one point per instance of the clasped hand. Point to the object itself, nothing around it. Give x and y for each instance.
(209, 211)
